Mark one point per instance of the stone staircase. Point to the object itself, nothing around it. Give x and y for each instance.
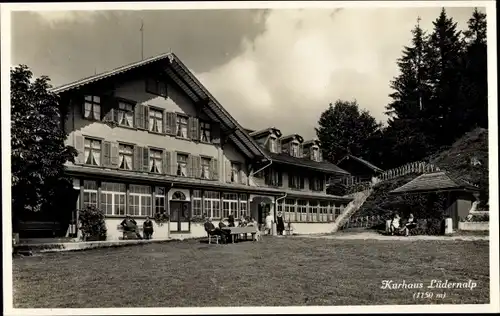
(351, 208)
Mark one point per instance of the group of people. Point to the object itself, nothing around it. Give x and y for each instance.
(130, 225)
(395, 224)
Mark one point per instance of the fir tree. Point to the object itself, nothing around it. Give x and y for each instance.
(475, 84)
(445, 112)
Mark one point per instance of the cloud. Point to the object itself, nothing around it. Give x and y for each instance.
(56, 17)
(307, 58)
(267, 67)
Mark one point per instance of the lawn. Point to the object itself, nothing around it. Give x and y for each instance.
(274, 272)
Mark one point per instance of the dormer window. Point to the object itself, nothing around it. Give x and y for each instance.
(294, 149)
(315, 154)
(273, 144)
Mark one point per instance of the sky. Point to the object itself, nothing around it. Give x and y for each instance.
(276, 67)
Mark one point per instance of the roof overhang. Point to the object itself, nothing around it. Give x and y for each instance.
(181, 75)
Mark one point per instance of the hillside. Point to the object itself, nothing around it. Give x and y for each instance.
(456, 160)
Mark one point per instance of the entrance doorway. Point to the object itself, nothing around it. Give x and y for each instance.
(179, 212)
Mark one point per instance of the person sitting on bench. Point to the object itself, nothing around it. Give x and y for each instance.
(147, 228)
(130, 225)
(410, 224)
(394, 224)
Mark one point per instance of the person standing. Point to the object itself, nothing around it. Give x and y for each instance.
(147, 227)
(280, 223)
(269, 223)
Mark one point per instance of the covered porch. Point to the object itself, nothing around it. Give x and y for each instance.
(459, 194)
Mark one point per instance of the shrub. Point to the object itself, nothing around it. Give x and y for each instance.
(479, 218)
(92, 224)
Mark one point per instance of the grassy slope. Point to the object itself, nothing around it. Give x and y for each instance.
(274, 272)
(455, 160)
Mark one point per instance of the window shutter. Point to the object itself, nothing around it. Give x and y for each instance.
(278, 145)
(301, 151)
(106, 154)
(196, 161)
(228, 171)
(138, 155)
(110, 114)
(80, 148)
(145, 116)
(189, 166)
(214, 169)
(243, 177)
(320, 155)
(166, 162)
(165, 123)
(194, 128)
(170, 123)
(114, 155)
(280, 178)
(173, 163)
(216, 133)
(145, 159)
(139, 115)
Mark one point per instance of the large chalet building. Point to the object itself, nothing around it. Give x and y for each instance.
(150, 137)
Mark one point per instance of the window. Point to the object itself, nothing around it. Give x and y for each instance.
(229, 204)
(182, 126)
(92, 107)
(290, 214)
(273, 145)
(323, 211)
(160, 200)
(113, 197)
(155, 161)
(140, 199)
(182, 165)
(244, 205)
(294, 149)
(126, 154)
(212, 204)
(205, 168)
(294, 181)
(313, 211)
(155, 120)
(316, 183)
(235, 171)
(197, 207)
(302, 210)
(92, 152)
(273, 177)
(89, 193)
(205, 132)
(125, 114)
(156, 86)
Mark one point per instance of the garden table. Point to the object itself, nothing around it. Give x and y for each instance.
(241, 230)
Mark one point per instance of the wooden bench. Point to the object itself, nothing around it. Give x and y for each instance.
(40, 226)
(129, 234)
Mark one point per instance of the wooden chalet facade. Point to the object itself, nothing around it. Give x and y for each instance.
(150, 137)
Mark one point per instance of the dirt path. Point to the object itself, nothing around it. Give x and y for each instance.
(376, 236)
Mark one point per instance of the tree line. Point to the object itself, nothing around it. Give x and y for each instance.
(439, 94)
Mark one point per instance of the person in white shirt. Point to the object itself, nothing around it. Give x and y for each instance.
(395, 224)
(269, 223)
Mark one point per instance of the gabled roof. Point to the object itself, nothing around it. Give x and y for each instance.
(266, 131)
(186, 80)
(362, 161)
(311, 142)
(300, 138)
(323, 166)
(436, 181)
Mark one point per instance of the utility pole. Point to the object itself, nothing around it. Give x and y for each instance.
(142, 39)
